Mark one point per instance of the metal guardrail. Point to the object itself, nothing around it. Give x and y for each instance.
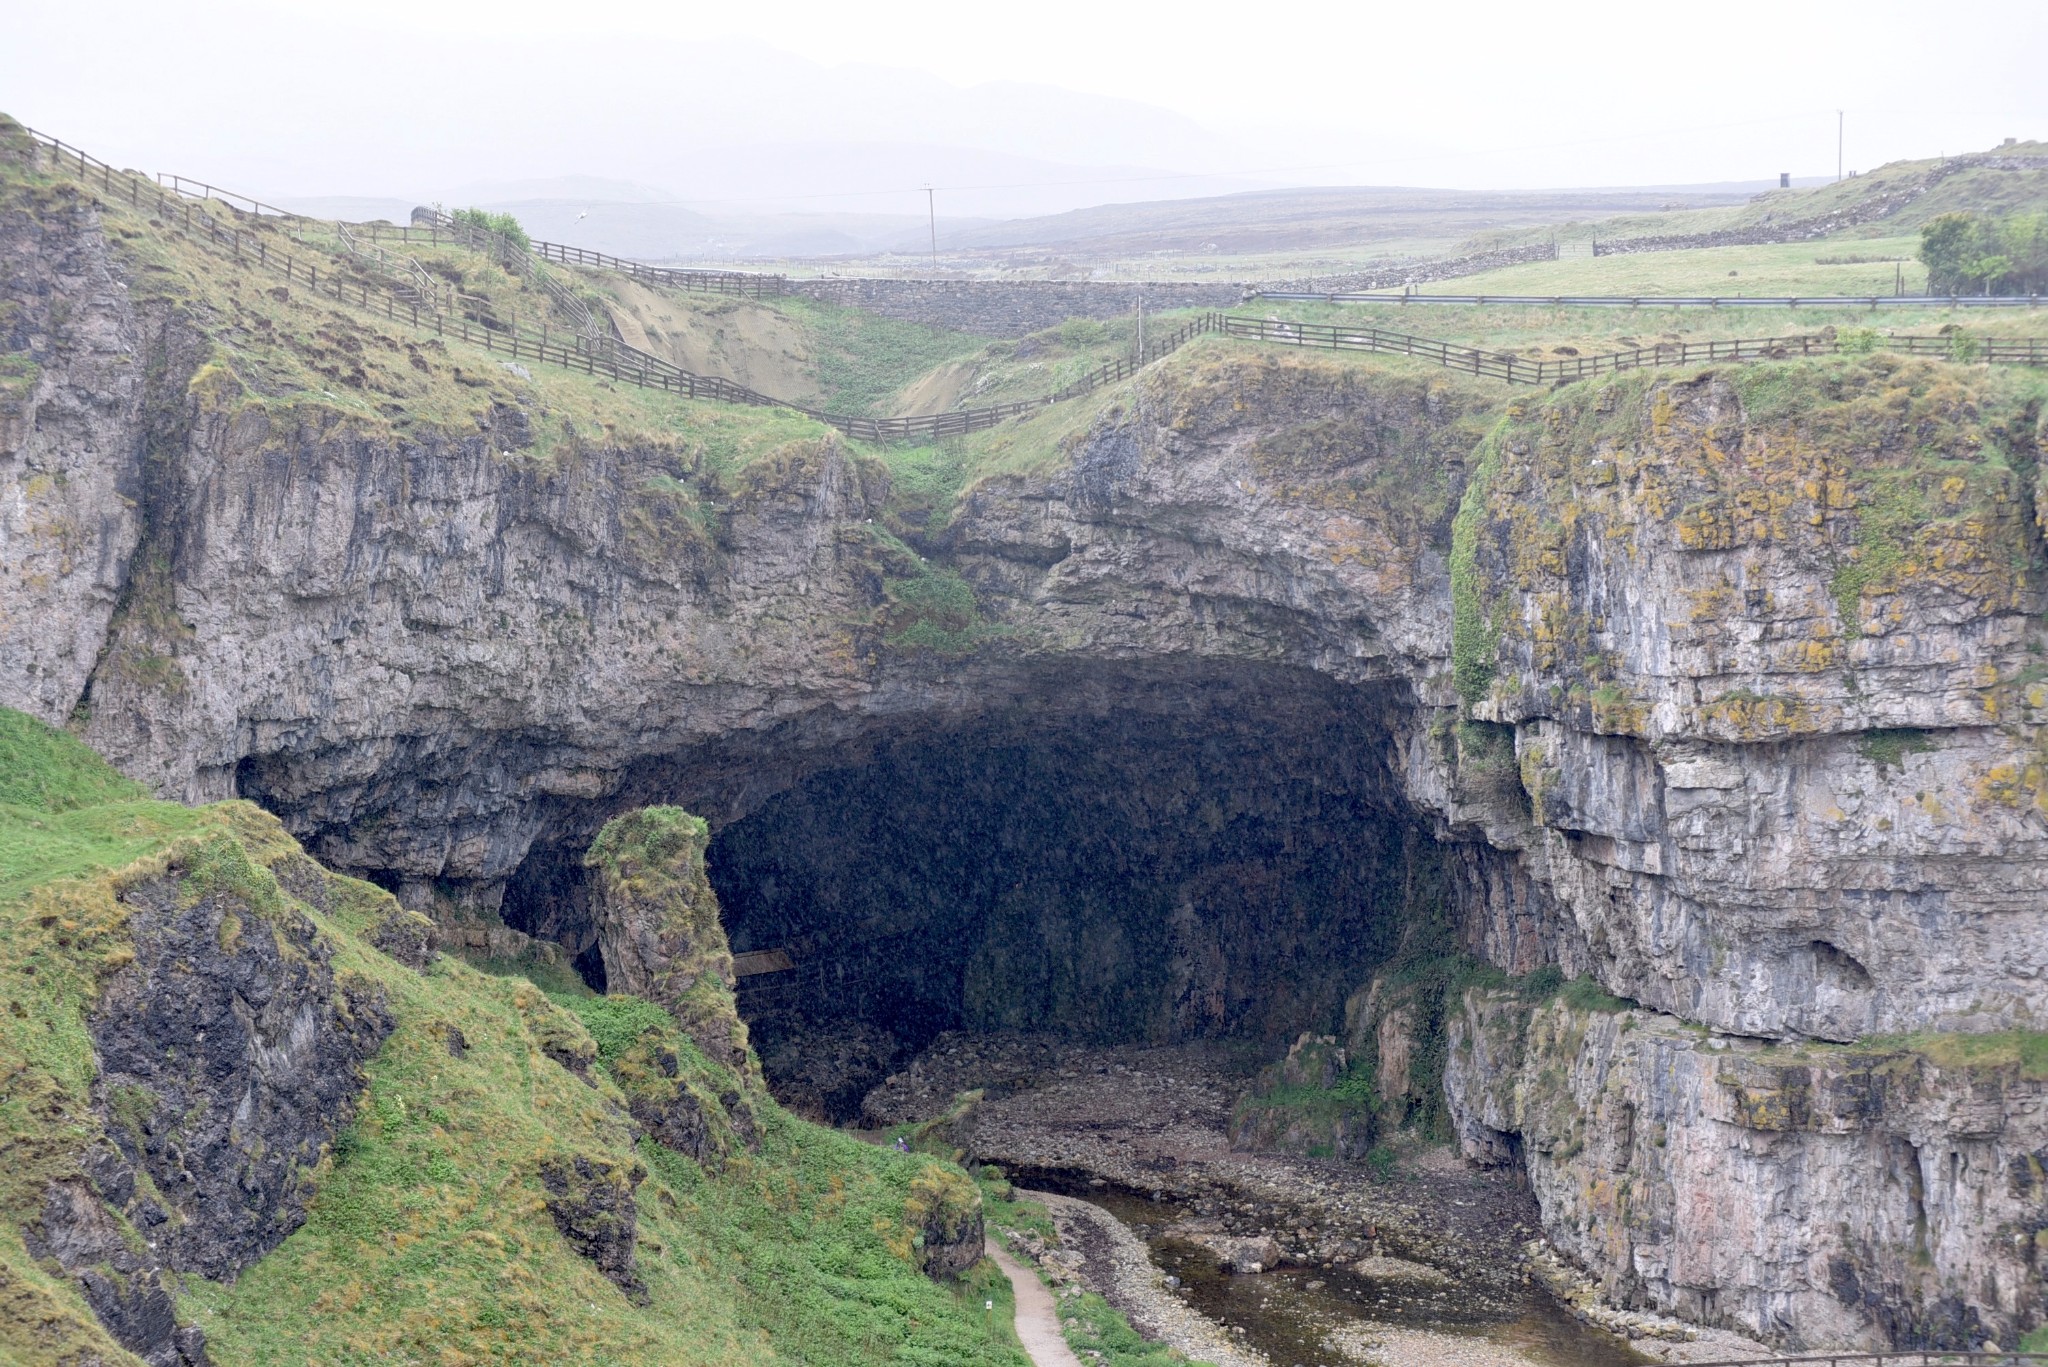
(1654, 301)
(1931, 1357)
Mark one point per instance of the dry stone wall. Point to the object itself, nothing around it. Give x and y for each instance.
(1013, 308)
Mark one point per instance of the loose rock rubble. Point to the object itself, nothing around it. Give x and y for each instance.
(1439, 1239)
(1155, 1122)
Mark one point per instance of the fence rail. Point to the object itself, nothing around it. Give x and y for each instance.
(402, 299)
(1654, 301)
(1518, 370)
(199, 189)
(745, 284)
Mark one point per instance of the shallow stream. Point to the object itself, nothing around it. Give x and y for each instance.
(1288, 1313)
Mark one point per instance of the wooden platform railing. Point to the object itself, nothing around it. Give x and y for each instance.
(1929, 1357)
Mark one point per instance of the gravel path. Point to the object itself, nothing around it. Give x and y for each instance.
(1116, 1266)
(1038, 1322)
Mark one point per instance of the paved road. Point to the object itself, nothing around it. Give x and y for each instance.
(1038, 1320)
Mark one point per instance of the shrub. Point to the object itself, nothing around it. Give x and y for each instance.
(1973, 254)
(504, 225)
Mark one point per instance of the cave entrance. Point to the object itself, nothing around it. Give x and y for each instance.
(1232, 866)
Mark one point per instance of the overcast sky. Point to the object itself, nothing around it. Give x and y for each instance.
(1084, 100)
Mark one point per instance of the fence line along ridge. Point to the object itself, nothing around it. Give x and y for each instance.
(597, 349)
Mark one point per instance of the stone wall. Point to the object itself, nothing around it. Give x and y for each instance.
(1014, 308)
(1393, 275)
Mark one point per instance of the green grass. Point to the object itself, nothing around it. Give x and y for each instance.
(1090, 1324)
(46, 769)
(1805, 268)
(313, 364)
(1093, 1326)
(2024, 1050)
(863, 359)
(1888, 748)
(428, 1240)
(1586, 994)
(65, 814)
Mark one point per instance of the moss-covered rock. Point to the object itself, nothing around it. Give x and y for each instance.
(658, 927)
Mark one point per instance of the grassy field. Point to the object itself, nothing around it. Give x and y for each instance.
(1859, 267)
(863, 359)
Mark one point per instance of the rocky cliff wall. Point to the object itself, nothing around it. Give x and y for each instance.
(1726, 687)
(1816, 1195)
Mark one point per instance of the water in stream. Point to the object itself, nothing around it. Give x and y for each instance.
(1287, 1314)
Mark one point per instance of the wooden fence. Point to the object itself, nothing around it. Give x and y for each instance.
(400, 301)
(1518, 370)
(744, 284)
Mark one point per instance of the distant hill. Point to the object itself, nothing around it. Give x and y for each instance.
(1312, 217)
(1896, 198)
(1905, 194)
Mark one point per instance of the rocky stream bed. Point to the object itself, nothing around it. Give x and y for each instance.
(1243, 1258)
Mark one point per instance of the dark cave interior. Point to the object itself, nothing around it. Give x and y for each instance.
(1227, 858)
(1125, 877)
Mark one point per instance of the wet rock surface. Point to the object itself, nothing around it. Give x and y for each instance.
(1155, 1122)
(230, 1054)
(124, 1287)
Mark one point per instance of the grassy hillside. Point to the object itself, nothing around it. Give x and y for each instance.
(1893, 200)
(427, 1236)
(308, 357)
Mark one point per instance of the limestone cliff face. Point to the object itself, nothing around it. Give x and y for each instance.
(1725, 688)
(1771, 644)
(1815, 1194)
(658, 927)
(75, 370)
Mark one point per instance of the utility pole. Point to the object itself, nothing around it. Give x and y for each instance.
(1838, 146)
(931, 205)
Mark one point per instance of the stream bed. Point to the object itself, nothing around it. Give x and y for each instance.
(1290, 1314)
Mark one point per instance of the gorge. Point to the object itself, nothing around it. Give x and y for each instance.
(1263, 695)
